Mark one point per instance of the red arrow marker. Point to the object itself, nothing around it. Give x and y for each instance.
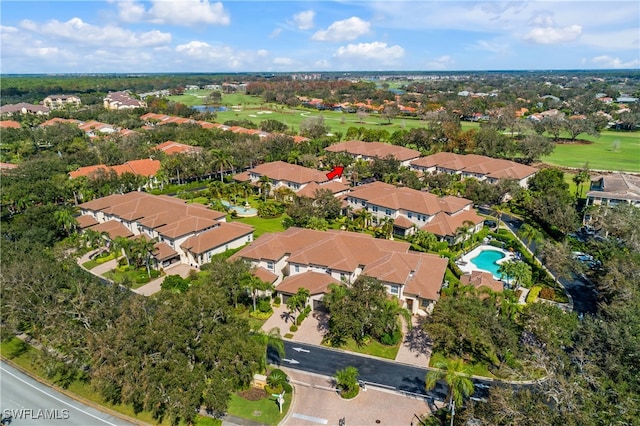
(336, 172)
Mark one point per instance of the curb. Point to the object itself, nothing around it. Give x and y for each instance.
(74, 396)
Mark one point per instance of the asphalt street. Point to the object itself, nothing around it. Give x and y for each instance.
(29, 402)
(373, 371)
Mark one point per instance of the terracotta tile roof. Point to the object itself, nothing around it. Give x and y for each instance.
(163, 251)
(242, 177)
(315, 282)
(264, 275)
(9, 124)
(58, 120)
(310, 189)
(478, 164)
(7, 166)
(216, 237)
(281, 171)
(444, 225)
(145, 167)
(113, 228)
(85, 221)
(403, 222)
(11, 108)
(95, 125)
(617, 186)
(169, 216)
(420, 273)
(171, 147)
(374, 149)
(482, 279)
(390, 196)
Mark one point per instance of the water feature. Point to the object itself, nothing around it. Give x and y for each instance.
(487, 260)
(243, 211)
(204, 108)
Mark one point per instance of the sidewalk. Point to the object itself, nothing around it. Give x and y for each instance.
(152, 287)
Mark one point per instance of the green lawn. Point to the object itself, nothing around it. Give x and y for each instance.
(476, 369)
(264, 410)
(616, 151)
(119, 277)
(373, 348)
(261, 225)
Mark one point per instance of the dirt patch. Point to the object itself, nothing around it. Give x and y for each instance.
(573, 142)
(253, 394)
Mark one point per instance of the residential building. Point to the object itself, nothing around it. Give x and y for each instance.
(122, 100)
(61, 101)
(171, 148)
(482, 279)
(145, 167)
(411, 209)
(185, 233)
(9, 124)
(372, 150)
(23, 108)
(476, 166)
(290, 176)
(611, 190)
(314, 259)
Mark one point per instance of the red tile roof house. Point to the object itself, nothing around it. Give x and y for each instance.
(122, 100)
(145, 167)
(186, 233)
(291, 176)
(23, 108)
(476, 166)
(371, 150)
(314, 259)
(411, 209)
(9, 124)
(171, 147)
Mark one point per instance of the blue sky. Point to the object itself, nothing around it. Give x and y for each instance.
(287, 36)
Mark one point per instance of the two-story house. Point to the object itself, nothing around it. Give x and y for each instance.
(476, 166)
(372, 150)
(411, 209)
(315, 259)
(61, 101)
(185, 233)
(613, 189)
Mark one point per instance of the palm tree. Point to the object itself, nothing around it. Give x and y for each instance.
(222, 161)
(253, 285)
(347, 381)
(363, 217)
(271, 340)
(64, 217)
(265, 185)
(507, 269)
(246, 189)
(580, 178)
(120, 246)
(457, 376)
(386, 227)
(217, 189)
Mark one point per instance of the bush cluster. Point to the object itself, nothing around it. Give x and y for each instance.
(533, 294)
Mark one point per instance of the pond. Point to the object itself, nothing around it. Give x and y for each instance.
(203, 108)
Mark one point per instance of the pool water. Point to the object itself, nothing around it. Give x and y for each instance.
(487, 261)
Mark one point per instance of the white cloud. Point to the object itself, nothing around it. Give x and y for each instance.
(346, 30)
(605, 61)
(275, 33)
(182, 12)
(77, 31)
(262, 52)
(322, 64)
(492, 46)
(304, 20)
(282, 61)
(440, 63)
(375, 51)
(551, 35)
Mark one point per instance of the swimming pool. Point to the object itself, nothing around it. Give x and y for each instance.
(487, 260)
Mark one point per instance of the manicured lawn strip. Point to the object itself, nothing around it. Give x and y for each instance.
(119, 277)
(267, 407)
(476, 369)
(616, 151)
(27, 360)
(261, 225)
(374, 348)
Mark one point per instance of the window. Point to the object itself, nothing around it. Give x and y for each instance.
(387, 212)
(343, 277)
(362, 203)
(296, 268)
(394, 289)
(270, 266)
(409, 215)
(375, 208)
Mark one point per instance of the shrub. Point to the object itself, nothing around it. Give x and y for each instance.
(277, 300)
(307, 310)
(293, 328)
(533, 294)
(264, 306)
(175, 282)
(392, 339)
(301, 318)
(548, 293)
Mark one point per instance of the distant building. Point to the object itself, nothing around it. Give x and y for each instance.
(61, 101)
(122, 100)
(24, 108)
(372, 150)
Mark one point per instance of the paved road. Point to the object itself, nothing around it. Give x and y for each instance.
(32, 403)
(373, 371)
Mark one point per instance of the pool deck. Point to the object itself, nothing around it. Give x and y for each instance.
(466, 266)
